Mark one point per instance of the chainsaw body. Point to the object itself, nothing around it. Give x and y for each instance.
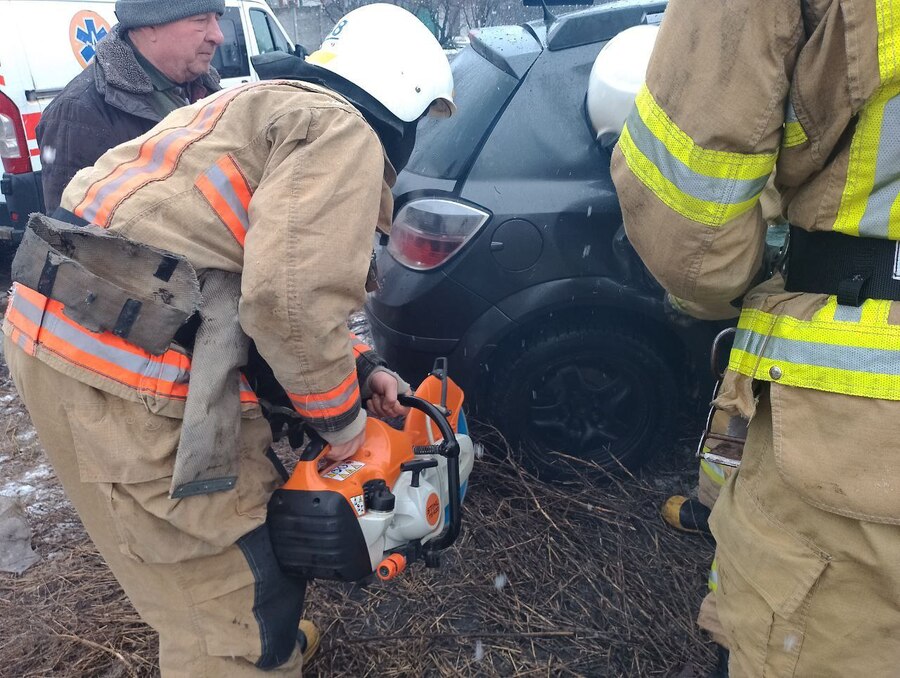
(396, 500)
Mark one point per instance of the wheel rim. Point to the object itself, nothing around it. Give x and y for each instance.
(589, 408)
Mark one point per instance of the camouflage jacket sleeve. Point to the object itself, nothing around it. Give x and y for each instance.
(700, 145)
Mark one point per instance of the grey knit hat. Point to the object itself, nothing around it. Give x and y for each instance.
(136, 13)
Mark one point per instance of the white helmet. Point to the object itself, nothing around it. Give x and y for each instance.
(618, 73)
(388, 52)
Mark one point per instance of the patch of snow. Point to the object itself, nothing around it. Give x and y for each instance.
(14, 489)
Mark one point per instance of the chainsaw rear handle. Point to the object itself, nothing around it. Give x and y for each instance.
(449, 448)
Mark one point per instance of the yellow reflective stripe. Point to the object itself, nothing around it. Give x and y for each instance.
(887, 39)
(794, 135)
(717, 164)
(709, 187)
(869, 202)
(862, 168)
(701, 211)
(714, 471)
(854, 358)
(713, 581)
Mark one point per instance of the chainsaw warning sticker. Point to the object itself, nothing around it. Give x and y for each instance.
(344, 470)
(359, 504)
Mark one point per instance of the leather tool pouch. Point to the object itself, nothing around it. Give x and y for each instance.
(108, 283)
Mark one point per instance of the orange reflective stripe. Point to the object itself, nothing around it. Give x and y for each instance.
(42, 321)
(359, 346)
(228, 193)
(157, 158)
(338, 401)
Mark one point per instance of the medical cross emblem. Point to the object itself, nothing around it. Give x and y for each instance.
(90, 35)
(86, 30)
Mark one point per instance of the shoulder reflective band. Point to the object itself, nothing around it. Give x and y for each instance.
(794, 134)
(869, 202)
(331, 410)
(157, 158)
(709, 187)
(228, 193)
(850, 353)
(35, 321)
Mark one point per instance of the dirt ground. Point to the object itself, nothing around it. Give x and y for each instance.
(582, 579)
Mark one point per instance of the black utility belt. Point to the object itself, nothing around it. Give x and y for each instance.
(851, 268)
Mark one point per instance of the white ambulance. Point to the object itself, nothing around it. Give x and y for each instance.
(46, 43)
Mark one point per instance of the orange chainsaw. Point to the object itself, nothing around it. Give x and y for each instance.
(396, 501)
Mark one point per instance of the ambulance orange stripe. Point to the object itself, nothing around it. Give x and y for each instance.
(222, 209)
(157, 158)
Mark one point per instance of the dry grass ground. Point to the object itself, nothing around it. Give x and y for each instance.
(581, 579)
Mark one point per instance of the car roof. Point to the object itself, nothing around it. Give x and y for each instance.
(596, 24)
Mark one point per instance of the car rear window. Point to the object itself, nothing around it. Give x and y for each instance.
(443, 147)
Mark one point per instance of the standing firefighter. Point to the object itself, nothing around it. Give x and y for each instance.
(253, 213)
(806, 530)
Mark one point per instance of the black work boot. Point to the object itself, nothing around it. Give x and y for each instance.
(721, 670)
(687, 515)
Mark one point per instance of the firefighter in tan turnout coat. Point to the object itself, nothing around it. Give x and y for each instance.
(808, 544)
(265, 199)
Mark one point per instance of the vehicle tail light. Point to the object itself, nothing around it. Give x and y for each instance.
(13, 143)
(429, 232)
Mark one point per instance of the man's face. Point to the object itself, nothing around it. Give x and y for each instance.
(186, 47)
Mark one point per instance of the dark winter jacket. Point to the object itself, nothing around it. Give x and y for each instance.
(109, 103)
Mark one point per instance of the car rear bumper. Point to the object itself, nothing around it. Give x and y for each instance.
(23, 196)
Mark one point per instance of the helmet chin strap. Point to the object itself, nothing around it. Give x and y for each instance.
(397, 137)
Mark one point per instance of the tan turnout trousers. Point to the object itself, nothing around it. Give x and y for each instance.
(802, 591)
(199, 570)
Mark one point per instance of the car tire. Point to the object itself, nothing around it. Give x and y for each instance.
(604, 395)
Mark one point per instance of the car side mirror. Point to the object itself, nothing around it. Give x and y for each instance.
(300, 51)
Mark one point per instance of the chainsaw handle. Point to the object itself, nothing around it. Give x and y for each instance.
(315, 448)
(449, 448)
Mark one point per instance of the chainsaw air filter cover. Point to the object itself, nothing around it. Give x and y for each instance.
(317, 535)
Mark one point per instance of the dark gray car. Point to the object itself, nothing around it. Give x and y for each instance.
(508, 256)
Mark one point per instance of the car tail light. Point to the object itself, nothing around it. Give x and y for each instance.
(427, 233)
(13, 144)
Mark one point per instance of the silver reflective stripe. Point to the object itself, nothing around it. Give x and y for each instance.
(221, 183)
(848, 314)
(709, 189)
(876, 219)
(88, 344)
(162, 144)
(852, 358)
(338, 401)
(790, 115)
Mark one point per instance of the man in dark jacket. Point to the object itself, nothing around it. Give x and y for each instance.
(155, 60)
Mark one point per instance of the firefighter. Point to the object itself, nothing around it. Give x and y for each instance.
(806, 529)
(241, 223)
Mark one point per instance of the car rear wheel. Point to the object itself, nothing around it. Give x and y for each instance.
(604, 395)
